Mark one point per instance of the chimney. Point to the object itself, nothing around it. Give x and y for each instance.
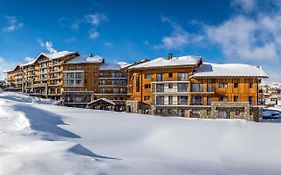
(91, 55)
(170, 56)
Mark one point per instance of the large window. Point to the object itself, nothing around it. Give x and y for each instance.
(182, 76)
(250, 99)
(182, 100)
(209, 88)
(138, 83)
(159, 87)
(146, 76)
(170, 100)
(235, 98)
(222, 85)
(159, 77)
(209, 100)
(159, 100)
(197, 100)
(197, 87)
(182, 87)
(223, 98)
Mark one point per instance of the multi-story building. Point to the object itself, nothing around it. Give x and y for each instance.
(187, 86)
(14, 79)
(174, 86)
(81, 80)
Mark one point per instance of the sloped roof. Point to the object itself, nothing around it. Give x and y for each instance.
(164, 62)
(87, 59)
(114, 66)
(29, 63)
(56, 55)
(231, 70)
(102, 99)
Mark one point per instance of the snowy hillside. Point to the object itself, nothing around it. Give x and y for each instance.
(46, 139)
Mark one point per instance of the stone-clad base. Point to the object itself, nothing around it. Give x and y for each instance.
(226, 110)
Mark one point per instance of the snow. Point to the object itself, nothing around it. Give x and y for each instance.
(218, 70)
(39, 139)
(86, 59)
(175, 61)
(114, 66)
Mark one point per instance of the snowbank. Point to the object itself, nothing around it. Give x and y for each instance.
(48, 139)
(23, 97)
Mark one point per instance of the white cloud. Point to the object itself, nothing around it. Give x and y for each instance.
(48, 45)
(12, 24)
(178, 38)
(96, 19)
(246, 38)
(29, 59)
(108, 44)
(50, 48)
(93, 34)
(245, 5)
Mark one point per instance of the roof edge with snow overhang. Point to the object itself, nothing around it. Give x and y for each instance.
(229, 70)
(180, 61)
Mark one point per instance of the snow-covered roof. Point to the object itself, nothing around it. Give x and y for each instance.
(56, 55)
(114, 66)
(86, 59)
(59, 54)
(102, 99)
(164, 62)
(29, 63)
(231, 70)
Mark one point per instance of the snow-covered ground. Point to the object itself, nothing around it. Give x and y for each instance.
(46, 139)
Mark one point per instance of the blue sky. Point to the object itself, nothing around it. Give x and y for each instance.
(246, 31)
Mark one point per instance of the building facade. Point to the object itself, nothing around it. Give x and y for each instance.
(183, 86)
(188, 87)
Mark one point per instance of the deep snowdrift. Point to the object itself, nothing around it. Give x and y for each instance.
(48, 139)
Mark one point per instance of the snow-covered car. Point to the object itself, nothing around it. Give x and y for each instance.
(271, 114)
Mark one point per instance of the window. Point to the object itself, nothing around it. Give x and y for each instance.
(147, 86)
(159, 87)
(170, 100)
(209, 100)
(182, 87)
(209, 88)
(223, 98)
(182, 76)
(197, 100)
(250, 85)
(146, 98)
(146, 76)
(159, 77)
(235, 98)
(182, 100)
(223, 85)
(170, 75)
(235, 85)
(250, 99)
(137, 83)
(102, 90)
(159, 100)
(197, 87)
(115, 90)
(170, 85)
